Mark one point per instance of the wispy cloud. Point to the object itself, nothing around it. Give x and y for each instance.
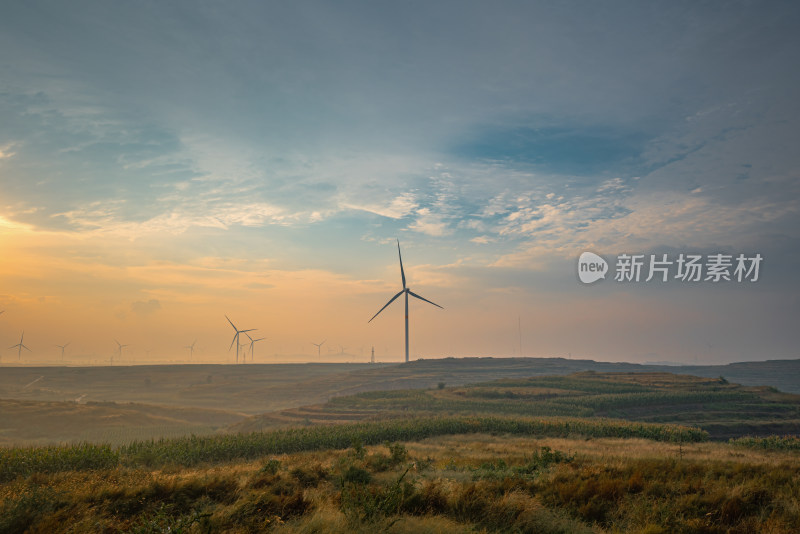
(399, 207)
(7, 151)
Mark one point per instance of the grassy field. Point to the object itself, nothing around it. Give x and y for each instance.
(586, 452)
(480, 482)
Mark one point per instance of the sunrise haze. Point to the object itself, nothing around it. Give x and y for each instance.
(163, 165)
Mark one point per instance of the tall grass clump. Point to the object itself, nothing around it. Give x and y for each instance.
(770, 443)
(24, 461)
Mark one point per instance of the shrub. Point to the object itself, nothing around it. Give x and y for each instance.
(271, 467)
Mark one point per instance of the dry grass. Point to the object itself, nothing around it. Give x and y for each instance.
(486, 446)
(448, 484)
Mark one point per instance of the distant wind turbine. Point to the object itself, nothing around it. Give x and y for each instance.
(252, 345)
(341, 349)
(20, 346)
(319, 346)
(62, 347)
(236, 337)
(407, 292)
(191, 349)
(119, 350)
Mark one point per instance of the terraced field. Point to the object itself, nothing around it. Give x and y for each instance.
(723, 409)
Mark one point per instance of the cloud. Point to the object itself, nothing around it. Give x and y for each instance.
(431, 224)
(7, 151)
(399, 207)
(145, 308)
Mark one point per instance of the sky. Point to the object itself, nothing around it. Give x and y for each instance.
(165, 164)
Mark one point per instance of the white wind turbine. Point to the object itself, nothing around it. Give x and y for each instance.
(407, 292)
(120, 346)
(191, 349)
(319, 346)
(20, 346)
(62, 347)
(252, 345)
(236, 337)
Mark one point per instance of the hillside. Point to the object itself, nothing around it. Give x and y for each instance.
(723, 409)
(141, 402)
(431, 475)
(42, 422)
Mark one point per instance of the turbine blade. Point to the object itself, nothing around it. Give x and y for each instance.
(384, 306)
(423, 298)
(402, 273)
(234, 340)
(233, 325)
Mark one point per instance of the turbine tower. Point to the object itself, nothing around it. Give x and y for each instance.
(62, 347)
(252, 345)
(407, 292)
(191, 349)
(20, 346)
(236, 337)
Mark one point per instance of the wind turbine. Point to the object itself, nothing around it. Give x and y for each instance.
(191, 349)
(407, 292)
(121, 346)
(252, 345)
(62, 347)
(319, 346)
(20, 346)
(236, 337)
(341, 349)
